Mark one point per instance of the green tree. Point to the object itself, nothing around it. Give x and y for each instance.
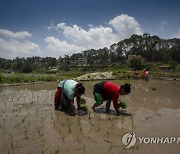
(136, 63)
(27, 68)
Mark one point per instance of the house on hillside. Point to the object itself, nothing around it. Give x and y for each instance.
(79, 61)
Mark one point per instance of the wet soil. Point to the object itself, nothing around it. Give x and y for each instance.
(29, 123)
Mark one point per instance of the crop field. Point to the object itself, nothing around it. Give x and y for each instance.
(29, 124)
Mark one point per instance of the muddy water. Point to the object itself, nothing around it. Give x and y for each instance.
(29, 124)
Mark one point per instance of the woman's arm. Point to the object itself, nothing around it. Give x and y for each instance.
(72, 108)
(78, 102)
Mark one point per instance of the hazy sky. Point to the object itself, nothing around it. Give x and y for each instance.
(58, 27)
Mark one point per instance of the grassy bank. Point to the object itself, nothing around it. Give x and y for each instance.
(118, 73)
(30, 78)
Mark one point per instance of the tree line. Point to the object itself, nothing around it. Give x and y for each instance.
(151, 48)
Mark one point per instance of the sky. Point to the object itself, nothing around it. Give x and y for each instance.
(54, 28)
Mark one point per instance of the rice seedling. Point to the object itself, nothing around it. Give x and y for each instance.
(84, 149)
(69, 130)
(41, 133)
(57, 151)
(112, 125)
(89, 116)
(63, 138)
(23, 119)
(122, 105)
(25, 134)
(107, 141)
(90, 130)
(98, 129)
(154, 88)
(80, 129)
(11, 142)
(83, 100)
(4, 129)
(78, 138)
(43, 147)
(90, 139)
(132, 120)
(110, 119)
(59, 131)
(79, 122)
(110, 148)
(122, 121)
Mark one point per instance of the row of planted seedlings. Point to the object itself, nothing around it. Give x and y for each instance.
(89, 129)
(21, 120)
(23, 126)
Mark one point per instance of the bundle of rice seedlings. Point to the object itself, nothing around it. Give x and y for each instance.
(83, 100)
(83, 105)
(122, 105)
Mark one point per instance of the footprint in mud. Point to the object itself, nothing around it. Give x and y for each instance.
(148, 118)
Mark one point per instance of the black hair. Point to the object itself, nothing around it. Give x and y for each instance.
(126, 87)
(80, 88)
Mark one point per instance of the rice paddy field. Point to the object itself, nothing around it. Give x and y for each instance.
(30, 125)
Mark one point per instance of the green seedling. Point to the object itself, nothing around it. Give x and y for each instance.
(25, 134)
(63, 138)
(83, 105)
(80, 129)
(112, 125)
(90, 130)
(122, 121)
(132, 123)
(57, 151)
(85, 108)
(43, 147)
(122, 104)
(98, 129)
(79, 122)
(83, 100)
(110, 148)
(154, 88)
(78, 140)
(89, 115)
(108, 141)
(89, 138)
(69, 129)
(110, 119)
(12, 145)
(84, 148)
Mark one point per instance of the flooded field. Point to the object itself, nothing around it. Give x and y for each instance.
(29, 124)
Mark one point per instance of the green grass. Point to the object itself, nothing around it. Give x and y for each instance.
(119, 72)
